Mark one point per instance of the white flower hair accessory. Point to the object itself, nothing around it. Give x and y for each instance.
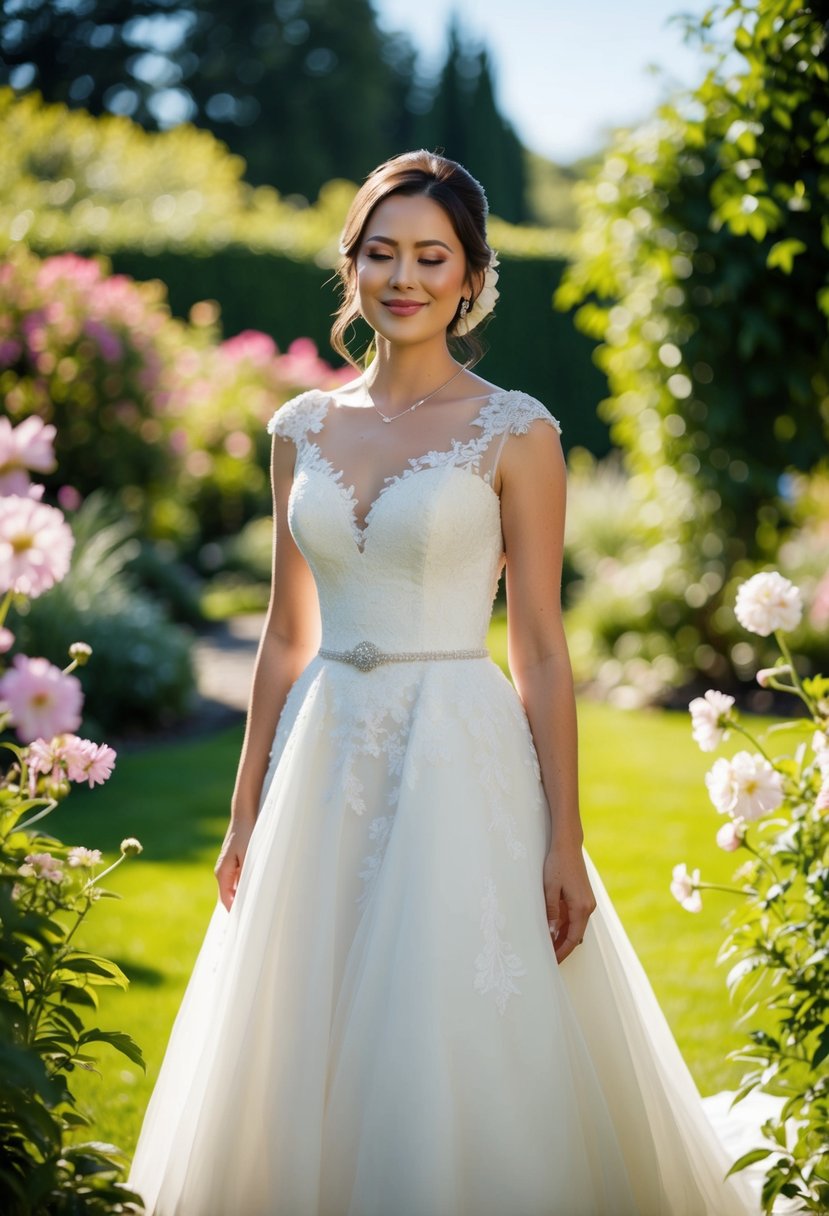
(484, 302)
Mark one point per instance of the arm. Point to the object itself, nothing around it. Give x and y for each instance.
(533, 502)
(289, 640)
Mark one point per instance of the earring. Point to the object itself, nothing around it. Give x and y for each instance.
(464, 306)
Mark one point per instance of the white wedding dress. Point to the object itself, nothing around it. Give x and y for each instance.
(379, 1026)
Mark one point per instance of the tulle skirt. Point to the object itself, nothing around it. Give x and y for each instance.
(379, 1025)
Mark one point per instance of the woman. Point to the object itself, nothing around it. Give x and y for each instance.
(414, 997)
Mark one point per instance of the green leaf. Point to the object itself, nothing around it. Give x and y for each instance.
(749, 1158)
(783, 253)
(822, 1049)
(119, 1040)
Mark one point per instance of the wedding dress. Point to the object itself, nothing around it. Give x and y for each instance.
(379, 1025)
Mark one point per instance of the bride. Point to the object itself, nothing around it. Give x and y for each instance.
(414, 997)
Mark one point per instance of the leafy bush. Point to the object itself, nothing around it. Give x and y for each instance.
(644, 621)
(47, 979)
(777, 943)
(702, 267)
(160, 413)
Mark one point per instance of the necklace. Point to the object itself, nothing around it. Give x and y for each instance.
(434, 392)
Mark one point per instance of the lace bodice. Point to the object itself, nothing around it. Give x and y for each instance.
(421, 570)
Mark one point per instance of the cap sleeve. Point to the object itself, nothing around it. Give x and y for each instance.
(296, 417)
(523, 409)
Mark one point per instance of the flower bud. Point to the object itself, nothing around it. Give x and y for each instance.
(130, 847)
(770, 673)
(80, 652)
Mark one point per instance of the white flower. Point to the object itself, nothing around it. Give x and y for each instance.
(820, 742)
(483, 303)
(709, 715)
(732, 834)
(768, 602)
(685, 888)
(81, 856)
(131, 847)
(744, 786)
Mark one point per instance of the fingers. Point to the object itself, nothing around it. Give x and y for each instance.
(571, 933)
(227, 873)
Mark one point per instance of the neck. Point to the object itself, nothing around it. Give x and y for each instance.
(400, 375)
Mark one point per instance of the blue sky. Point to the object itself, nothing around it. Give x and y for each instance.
(566, 69)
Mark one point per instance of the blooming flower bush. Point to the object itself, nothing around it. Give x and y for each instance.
(47, 888)
(777, 942)
(158, 412)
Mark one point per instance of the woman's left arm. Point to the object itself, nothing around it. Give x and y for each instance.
(533, 502)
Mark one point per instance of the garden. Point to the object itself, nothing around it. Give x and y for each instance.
(157, 308)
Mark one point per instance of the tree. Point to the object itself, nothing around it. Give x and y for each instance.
(464, 120)
(304, 90)
(300, 88)
(703, 267)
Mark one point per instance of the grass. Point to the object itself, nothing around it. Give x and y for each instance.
(644, 808)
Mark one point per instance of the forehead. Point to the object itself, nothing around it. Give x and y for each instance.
(411, 217)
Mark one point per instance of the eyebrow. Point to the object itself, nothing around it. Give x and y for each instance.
(387, 240)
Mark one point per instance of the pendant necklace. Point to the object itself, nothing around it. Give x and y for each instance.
(434, 392)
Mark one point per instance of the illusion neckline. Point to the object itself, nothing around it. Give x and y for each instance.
(360, 531)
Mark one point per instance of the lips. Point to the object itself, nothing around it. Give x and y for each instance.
(403, 308)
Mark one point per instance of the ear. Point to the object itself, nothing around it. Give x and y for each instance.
(473, 284)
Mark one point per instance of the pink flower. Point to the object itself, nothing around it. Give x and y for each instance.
(35, 546)
(44, 755)
(685, 888)
(732, 834)
(28, 446)
(6, 639)
(41, 865)
(88, 761)
(250, 344)
(746, 786)
(42, 700)
(709, 718)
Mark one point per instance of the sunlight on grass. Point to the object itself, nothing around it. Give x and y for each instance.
(644, 808)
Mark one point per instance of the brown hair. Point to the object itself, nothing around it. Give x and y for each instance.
(460, 196)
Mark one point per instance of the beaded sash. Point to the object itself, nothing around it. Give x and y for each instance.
(365, 656)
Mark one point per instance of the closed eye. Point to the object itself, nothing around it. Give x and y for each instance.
(386, 257)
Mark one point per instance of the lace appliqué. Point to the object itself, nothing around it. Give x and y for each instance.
(497, 966)
(372, 718)
(506, 409)
(301, 414)
(379, 831)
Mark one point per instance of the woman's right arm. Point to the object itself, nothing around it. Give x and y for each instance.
(290, 638)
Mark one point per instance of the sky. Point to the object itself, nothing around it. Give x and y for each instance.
(566, 70)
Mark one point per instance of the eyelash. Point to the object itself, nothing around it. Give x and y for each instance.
(385, 257)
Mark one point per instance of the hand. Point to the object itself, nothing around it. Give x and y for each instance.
(568, 895)
(228, 867)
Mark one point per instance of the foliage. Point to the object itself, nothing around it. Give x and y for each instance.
(143, 671)
(71, 181)
(47, 979)
(701, 266)
(642, 616)
(777, 945)
(155, 411)
(304, 90)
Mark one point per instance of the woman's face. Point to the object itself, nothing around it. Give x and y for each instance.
(411, 269)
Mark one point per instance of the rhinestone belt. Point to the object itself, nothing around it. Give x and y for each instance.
(366, 656)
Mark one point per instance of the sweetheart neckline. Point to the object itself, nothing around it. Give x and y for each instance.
(360, 534)
(360, 530)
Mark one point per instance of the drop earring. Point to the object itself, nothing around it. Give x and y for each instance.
(464, 309)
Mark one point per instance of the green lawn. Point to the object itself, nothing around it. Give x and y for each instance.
(644, 807)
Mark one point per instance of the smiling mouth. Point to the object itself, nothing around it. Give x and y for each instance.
(403, 308)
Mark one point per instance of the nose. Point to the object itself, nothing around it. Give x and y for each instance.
(402, 274)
